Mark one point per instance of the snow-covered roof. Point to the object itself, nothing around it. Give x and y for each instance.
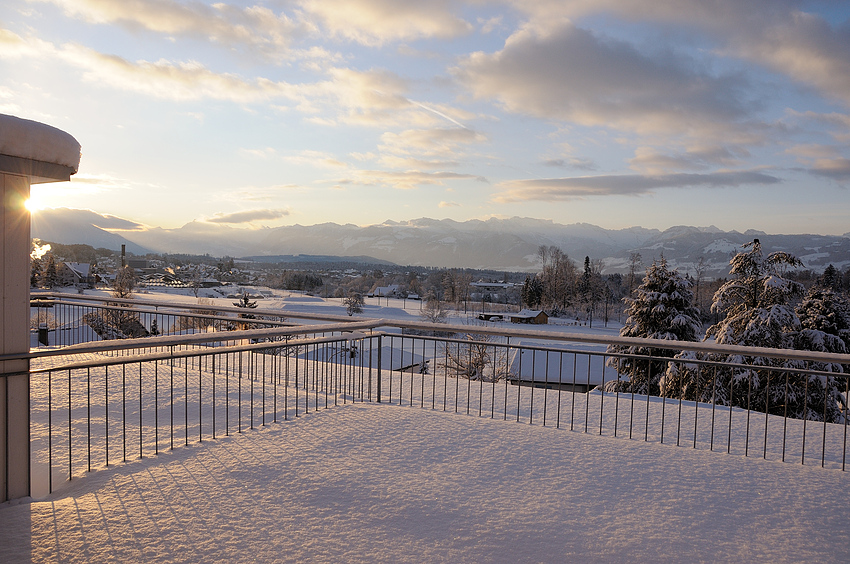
(527, 313)
(36, 141)
(80, 268)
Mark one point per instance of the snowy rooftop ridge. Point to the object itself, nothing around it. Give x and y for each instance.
(36, 141)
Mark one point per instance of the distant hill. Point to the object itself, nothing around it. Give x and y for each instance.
(71, 226)
(499, 244)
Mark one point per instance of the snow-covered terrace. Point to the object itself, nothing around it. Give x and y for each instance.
(380, 483)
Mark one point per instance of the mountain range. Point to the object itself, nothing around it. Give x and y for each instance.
(501, 244)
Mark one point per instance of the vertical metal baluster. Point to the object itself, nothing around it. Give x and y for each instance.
(531, 399)
(296, 379)
(663, 402)
(617, 400)
(519, 381)
(469, 379)
(560, 386)
(226, 394)
(731, 401)
(587, 398)
(239, 396)
(124, 407)
(785, 422)
(457, 379)
(423, 368)
(573, 406)
(846, 401)
(213, 397)
(445, 374)
(823, 443)
(49, 430)
(156, 407)
(70, 442)
(171, 406)
(88, 416)
(390, 391)
(186, 400)
(713, 406)
(105, 410)
(805, 418)
(200, 401)
(767, 411)
(141, 452)
(602, 396)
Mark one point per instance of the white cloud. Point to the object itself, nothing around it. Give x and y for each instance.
(404, 180)
(554, 189)
(836, 169)
(649, 160)
(777, 34)
(255, 27)
(248, 216)
(571, 74)
(375, 22)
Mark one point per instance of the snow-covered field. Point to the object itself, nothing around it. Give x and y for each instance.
(370, 482)
(411, 483)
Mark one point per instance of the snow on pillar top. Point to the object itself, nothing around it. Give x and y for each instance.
(39, 151)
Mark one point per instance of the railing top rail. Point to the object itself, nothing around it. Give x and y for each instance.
(195, 338)
(190, 353)
(169, 307)
(701, 347)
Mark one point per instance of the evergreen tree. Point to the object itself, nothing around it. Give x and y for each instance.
(35, 271)
(830, 279)
(661, 309)
(756, 303)
(50, 276)
(532, 291)
(824, 326)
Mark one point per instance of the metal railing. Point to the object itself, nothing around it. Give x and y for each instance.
(97, 403)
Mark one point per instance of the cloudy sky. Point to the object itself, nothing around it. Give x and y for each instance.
(612, 112)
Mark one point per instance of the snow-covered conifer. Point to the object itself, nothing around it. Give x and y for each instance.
(661, 309)
(824, 326)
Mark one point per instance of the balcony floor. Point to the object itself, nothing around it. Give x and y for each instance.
(368, 482)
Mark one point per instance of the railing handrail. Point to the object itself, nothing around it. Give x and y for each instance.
(705, 347)
(73, 299)
(190, 339)
(191, 353)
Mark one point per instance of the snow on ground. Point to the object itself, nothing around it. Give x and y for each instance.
(370, 482)
(292, 302)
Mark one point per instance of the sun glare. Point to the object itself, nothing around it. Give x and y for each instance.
(37, 201)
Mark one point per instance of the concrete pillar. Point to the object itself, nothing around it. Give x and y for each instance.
(14, 337)
(30, 153)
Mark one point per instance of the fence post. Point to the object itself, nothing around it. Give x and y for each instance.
(380, 342)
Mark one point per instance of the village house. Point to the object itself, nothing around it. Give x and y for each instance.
(533, 316)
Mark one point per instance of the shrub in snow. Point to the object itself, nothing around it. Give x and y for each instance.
(113, 324)
(354, 303)
(661, 309)
(476, 359)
